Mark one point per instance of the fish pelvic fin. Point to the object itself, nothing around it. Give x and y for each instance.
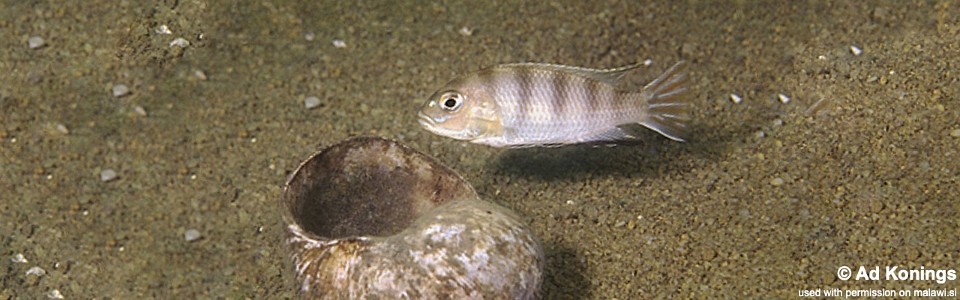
(668, 111)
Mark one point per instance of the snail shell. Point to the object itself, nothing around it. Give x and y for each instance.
(371, 218)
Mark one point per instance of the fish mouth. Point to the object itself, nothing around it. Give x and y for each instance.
(430, 124)
(425, 120)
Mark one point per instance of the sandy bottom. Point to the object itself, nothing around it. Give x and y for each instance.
(767, 198)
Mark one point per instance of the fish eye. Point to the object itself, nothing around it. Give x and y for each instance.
(451, 101)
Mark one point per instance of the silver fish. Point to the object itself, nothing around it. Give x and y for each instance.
(529, 104)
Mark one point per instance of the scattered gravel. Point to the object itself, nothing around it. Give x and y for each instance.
(62, 128)
(120, 90)
(108, 175)
(776, 181)
(856, 50)
(180, 42)
(36, 42)
(783, 98)
(311, 102)
(36, 271)
(191, 235)
(736, 98)
(19, 258)
(163, 29)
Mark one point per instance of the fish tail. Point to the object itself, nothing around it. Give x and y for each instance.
(667, 110)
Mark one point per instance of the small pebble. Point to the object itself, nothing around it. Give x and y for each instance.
(140, 111)
(855, 50)
(180, 42)
(783, 98)
(736, 98)
(200, 75)
(760, 134)
(339, 43)
(647, 62)
(120, 90)
(777, 122)
(163, 29)
(108, 175)
(19, 258)
(54, 294)
(191, 235)
(466, 31)
(309, 36)
(36, 42)
(955, 133)
(62, 128)
(776, 181)
(311, 102)
(36, 271)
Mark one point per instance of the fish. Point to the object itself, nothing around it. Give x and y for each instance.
(547, 105)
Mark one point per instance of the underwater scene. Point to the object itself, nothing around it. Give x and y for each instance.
(479, 149)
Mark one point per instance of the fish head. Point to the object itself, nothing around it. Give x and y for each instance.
(461, 111)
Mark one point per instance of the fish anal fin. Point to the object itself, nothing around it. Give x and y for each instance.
(612, 134)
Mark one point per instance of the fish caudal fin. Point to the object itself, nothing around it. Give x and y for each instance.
(667, 110)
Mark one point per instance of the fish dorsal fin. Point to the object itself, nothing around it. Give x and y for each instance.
(609, 76)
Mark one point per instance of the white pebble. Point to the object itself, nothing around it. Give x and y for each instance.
(163, 29)
(339, 43)
(191, 235)
(647, 62)
(777, 122)
(140, 111)
(466, 31)
(36, 271)
(855, 50)
(736, 98)
(180, 42)
(108, 175)
(783, 98)
(120, 90)
(54, 294)
(311, 102)
(309, 36)
(200, 75)
(36, 42)
(62, 128)
(19, 258)
(776, 181)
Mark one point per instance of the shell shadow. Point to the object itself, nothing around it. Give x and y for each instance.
(565, 274)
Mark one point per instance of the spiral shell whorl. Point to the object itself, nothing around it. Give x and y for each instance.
(372, 218)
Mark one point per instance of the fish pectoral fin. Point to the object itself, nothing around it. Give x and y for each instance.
(609, 76)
